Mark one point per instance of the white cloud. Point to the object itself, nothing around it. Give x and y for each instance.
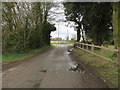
(63, 32)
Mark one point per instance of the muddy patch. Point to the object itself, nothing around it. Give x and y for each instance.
(69, 51)
(44, 71)
(37, 84)
(74, 67)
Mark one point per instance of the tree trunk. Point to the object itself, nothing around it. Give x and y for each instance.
(119, 25)
(115, 23)
(83, 35)
(78, 35)
(119, 41)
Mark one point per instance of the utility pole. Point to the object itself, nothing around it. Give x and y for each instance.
(58, 33)
(67, 35)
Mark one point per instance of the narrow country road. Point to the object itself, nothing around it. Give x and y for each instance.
(47, 70)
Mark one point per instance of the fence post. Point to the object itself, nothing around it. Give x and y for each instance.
(76, 46)
(87, 47)
(83, 46)
(118, 55)
(79, 44)
(92, 48)
(101, 51)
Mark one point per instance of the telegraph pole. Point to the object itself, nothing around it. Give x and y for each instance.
(67, 35)
(58, 33)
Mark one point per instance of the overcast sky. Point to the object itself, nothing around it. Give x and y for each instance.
(59, 21)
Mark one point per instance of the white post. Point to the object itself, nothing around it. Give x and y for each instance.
(92, 48)
(87, 47)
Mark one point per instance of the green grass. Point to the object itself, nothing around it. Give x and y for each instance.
(10, 57)
(111, 46)
(61, 42)
(105, 69)
(106, 53)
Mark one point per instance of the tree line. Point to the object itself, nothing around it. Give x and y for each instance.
(98, 20)
(25, 25)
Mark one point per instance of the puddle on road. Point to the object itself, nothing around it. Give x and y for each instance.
(37, 84)
(68, 53)
(44, 71)
(74, 67)
(70, 50)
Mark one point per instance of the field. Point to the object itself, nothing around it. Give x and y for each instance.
(61, 42)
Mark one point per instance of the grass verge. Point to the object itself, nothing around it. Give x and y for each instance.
(11, 57)
(107, 53)
(111, 46)
(107, 70)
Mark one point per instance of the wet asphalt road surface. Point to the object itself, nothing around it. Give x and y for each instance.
(52, 69)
